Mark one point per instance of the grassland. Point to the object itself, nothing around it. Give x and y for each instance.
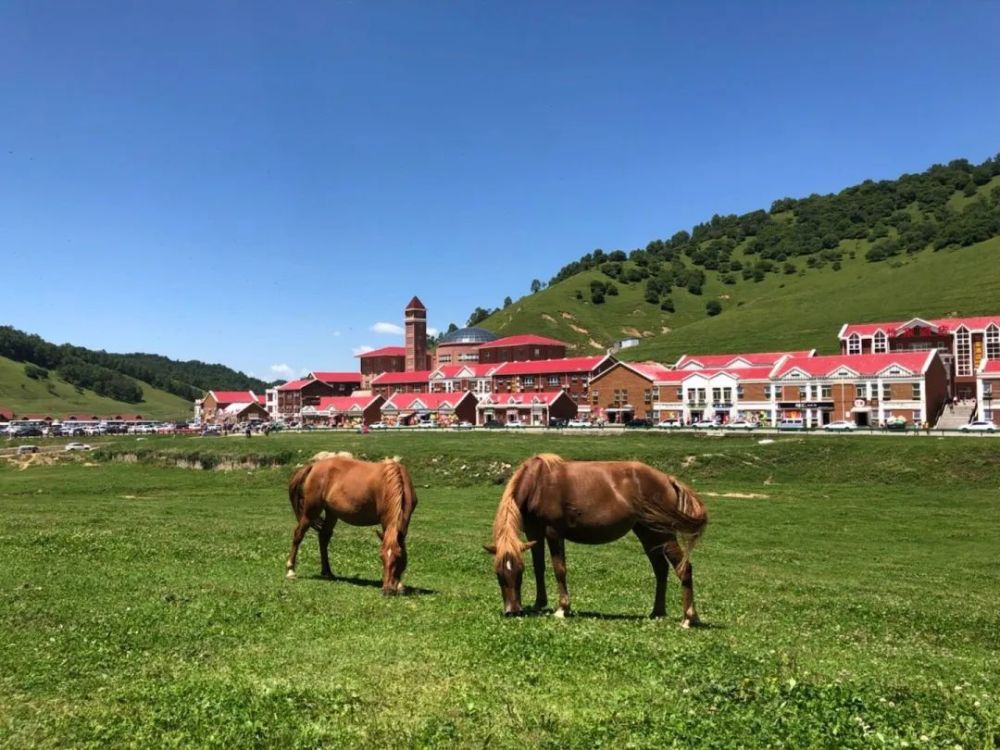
(58, 398)
(848, 584)
(784, 311)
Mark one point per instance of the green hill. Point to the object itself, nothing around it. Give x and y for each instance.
(925, 245)
(53, 396)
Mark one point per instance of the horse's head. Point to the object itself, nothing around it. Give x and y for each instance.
(393, 562)
(509, 568)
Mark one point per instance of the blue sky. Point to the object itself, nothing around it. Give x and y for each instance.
(261, 184)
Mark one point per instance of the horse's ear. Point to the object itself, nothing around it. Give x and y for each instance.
(491, 548)
(529, 545)
(380, 534)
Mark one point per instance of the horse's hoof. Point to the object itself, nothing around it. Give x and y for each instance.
(400, 588)
(657, 615)
(289, 574)
(690, 622)
(389, 592)
(327, 574)
(560, 613)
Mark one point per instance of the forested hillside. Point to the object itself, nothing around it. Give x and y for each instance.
(114, 376)
(788, 276)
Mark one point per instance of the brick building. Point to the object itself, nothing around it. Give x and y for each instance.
(963, 344)
(209, 408)
(625, 391)
(533, 408)
(389, 383)
(442, 409)
(461, 346)
(988, 388)
(340, 411)
(467, 377)
(571, 374)
(521, 348)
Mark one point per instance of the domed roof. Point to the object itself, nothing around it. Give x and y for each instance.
(470, 335)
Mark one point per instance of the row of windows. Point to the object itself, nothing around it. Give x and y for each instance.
(820, 392)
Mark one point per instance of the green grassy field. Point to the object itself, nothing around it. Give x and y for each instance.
(848, 584)
(58, 398)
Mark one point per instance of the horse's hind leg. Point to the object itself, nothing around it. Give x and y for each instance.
(685, 573)
(557, 550)
(653, 543)
(325, 532)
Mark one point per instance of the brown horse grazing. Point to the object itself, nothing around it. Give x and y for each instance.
(337, 486)
(593, 502)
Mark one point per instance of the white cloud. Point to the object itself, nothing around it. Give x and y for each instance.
(282, 371)
(432, 331)
(362, 349)
(390, 328)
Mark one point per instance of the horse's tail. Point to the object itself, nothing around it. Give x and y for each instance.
(398, 497)
(525, 480)
(296, 495)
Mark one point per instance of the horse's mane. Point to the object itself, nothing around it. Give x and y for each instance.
(507, 522)
(323, 455)
(397, 493)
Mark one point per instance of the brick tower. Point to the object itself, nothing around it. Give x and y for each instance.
(416, 335)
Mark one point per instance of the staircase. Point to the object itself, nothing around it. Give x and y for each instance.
(954, 419)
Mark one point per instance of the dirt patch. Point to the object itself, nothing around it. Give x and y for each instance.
(738, 495)
(628, 331)
(596, 344)
(664, 329)
(568, 316)
(548, 317)
(578, 329)
(647, 333)
(689, 461)
(33, 459)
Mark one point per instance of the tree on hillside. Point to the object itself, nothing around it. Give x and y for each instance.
(713, 307)
(536, 286)
(507, 302)
(452, 327)
(478, 316)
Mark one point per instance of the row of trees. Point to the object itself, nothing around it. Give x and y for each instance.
(112, 374)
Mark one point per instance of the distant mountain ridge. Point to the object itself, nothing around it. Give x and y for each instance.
(787, 277)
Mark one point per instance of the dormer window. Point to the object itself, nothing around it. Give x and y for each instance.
(854, 344)
(880, 343)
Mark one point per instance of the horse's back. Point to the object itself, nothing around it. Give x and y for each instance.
(349, 488)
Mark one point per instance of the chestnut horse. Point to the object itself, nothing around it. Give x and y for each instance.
(594, 502)
(336, 486)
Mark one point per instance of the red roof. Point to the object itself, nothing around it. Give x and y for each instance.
(449, 372)
(865, 365)
(989, 367)
(720, 361)
(522, 340)
(522, 399)
(336, 377)
(345, 403)
(261, 399)
(294, 385)
(385, 351)
(551, 366)
(395, 378)
(232, 397)
(415, 304)
(650, 370)
(977, 323)
(428, 401)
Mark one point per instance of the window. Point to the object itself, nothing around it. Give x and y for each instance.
(879, 342)
(854, 344)
(886, 391)
(716, 395)
(553, 380)
(593, 397)
(656, 393)
(918, 391)
(647, 396)
(528, 380)
(992, 341)
(444, 359)
(680, 394)
(803, 393)
(963, 351)
(826, 392)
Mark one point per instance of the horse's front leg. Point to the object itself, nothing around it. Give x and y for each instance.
(557, 550)
(538, 563)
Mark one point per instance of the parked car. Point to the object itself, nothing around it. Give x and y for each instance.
(557, 422)
(980, 425)
(639, 422)
(212, 430)
(791, 424)
(427, 424)
(21, 449)
(741, 424)
(22, 432)
(706, 424)
(464, 426)
(842, 425)
(77, 447)
(670, 424)
(578, 423)
(514, 424)
(378, 426)
(492, 423)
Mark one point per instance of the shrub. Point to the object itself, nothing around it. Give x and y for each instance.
(713, 307)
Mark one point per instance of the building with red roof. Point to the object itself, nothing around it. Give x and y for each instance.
(214, 402)
(533, 408)
(625, 391)
(520, 348)
(962, 342)
(465, 377)
(389, 383)
(721, 361)
(345, 411)
(571, 374)
(988, 387)
(442, 409)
